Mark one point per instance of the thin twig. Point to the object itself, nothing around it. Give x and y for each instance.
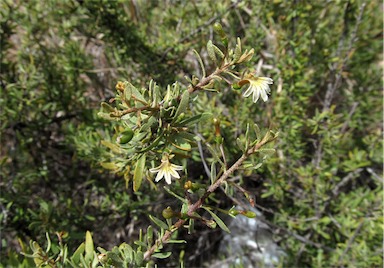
(200, 147)
(344, 181)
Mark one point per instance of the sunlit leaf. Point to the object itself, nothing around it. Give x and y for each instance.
(138, 173)
(89, 247)
(217, 220)
(183, 104)
(161, 255)
(159, 222)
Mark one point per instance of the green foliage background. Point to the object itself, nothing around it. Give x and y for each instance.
(60, 59)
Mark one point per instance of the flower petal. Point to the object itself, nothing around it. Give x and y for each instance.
(249, 91)
(256, 95)
(167, 177)
(264, 95)
(176, 167)
(174, 173)
(159, 176)
(155, 170)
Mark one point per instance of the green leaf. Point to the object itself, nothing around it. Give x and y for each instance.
(211, 51)
(125, 136)
(190, 137)
(172, 241)
(150, 235)
(175, 195)
(79, 251)
(136, 94)
(151, 121)
(238, 49)
(48, 242)
(127, 251)
(183, 105)
(113, 147)
(213, 172)
(257, 131)
(107, 116)
(215, 154)
(89, 248)
(159, 222)
(139, 258)
(141, 244)
(191, 226)
(101, 250)
(195, 119)
(115, 258)
(109, 165)
(153, 144)
(83, 261)
(217, 220)
(161, 255)
(138, 173)
(128, 93)
(106, 108)
(218, 52)
(200, 62)
(180, 143)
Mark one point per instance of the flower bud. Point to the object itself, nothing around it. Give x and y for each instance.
(103, 258)
(192, 186)
(233, 212)
(188, 185)
(125, 136)
(248, 213)
(120, 86)
(168, 213)
(211, 224)
(219, 29)
(216, 122)
(236, 86)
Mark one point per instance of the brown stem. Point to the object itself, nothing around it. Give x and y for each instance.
(210, 190)
(207, 79)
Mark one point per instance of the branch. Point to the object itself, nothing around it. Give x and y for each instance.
(163, 240)
(207, 79)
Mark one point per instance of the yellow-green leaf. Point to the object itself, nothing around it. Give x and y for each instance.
(183, 104)
(89, 248)
(217, 220)
(113, 147)
(76, 256)
(109, 165)
(138, 173)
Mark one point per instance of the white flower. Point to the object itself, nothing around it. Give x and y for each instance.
(257, 86)
(166, 170)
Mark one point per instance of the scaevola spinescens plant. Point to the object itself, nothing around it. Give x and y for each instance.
(156, 135)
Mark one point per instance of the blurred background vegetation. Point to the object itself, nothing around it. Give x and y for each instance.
(322, 190)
